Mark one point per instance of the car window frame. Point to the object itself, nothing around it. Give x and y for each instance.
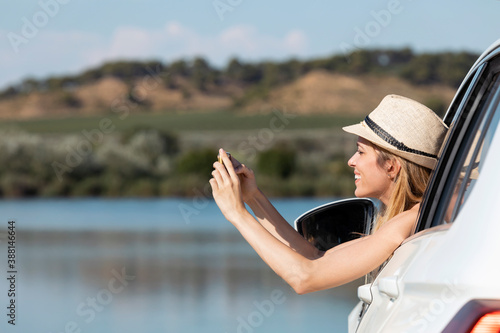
(463, 118)
(483, 129)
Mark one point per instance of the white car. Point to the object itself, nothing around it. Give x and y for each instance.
(446, 277)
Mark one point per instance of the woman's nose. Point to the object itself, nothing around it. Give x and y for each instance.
(352, 161)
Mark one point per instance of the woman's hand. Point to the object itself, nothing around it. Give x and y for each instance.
(226, 189)
(247, 180)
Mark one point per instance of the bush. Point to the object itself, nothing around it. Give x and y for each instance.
(90, 186)
(185, 186)
(56, 188)
(197, 162)
(144, 187)
(113, 185)
(145, 162)
(121, 160)
(17, 185)
(152, 141)
(70, 100)
(437, 105)
(277, 162)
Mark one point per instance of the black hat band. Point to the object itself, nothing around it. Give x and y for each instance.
(392, 141)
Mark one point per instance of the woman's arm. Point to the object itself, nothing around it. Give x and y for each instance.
(274, 223)
(268, 216)
(337, 266)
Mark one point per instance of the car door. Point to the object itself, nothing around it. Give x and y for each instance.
(403, 298)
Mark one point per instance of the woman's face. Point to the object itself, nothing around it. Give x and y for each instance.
(371, 179)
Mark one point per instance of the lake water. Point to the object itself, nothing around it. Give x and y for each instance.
(155, 265)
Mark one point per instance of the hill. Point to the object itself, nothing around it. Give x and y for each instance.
(330, 85)
(315, 92)
(323, 92)
(106, 95)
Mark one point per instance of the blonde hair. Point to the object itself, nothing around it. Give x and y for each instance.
(409, 186)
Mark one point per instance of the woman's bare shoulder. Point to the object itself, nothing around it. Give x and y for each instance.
(401, 225)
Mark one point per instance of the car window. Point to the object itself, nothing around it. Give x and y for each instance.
(476, 149)
(459, 98)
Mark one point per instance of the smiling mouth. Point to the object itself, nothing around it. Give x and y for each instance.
(357, 177)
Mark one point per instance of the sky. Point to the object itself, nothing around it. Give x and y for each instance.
(40, 38)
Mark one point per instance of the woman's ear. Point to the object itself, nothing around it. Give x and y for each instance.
(393, 168)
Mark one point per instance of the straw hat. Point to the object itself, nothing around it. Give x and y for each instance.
(405, 128)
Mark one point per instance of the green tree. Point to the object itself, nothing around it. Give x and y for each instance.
(202, 74)
(197, 162)
(179, 68)
(278, 162)
(235, 70)
(151, 142)
(437, 105)
(70, 100)
(291, 69)
(360, 62)
(29, 85)
(251, 73)
(453, 67)
(422, 69)
(10, 91)
(90, 75)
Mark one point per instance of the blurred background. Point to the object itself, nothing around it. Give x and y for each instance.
(111, 115)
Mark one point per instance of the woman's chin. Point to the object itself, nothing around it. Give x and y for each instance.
(359, 194)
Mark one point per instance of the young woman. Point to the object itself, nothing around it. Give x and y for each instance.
(397, 144)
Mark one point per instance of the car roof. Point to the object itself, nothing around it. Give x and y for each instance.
(491, 49)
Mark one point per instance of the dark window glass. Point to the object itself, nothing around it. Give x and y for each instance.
(474, 156)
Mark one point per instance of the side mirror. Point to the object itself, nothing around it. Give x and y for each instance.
(336, 222)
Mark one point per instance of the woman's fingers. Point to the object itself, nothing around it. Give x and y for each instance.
(222, 172)
(244, 170)
(213, 184)
(228, 164)
(218, 178)
(224, 175)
